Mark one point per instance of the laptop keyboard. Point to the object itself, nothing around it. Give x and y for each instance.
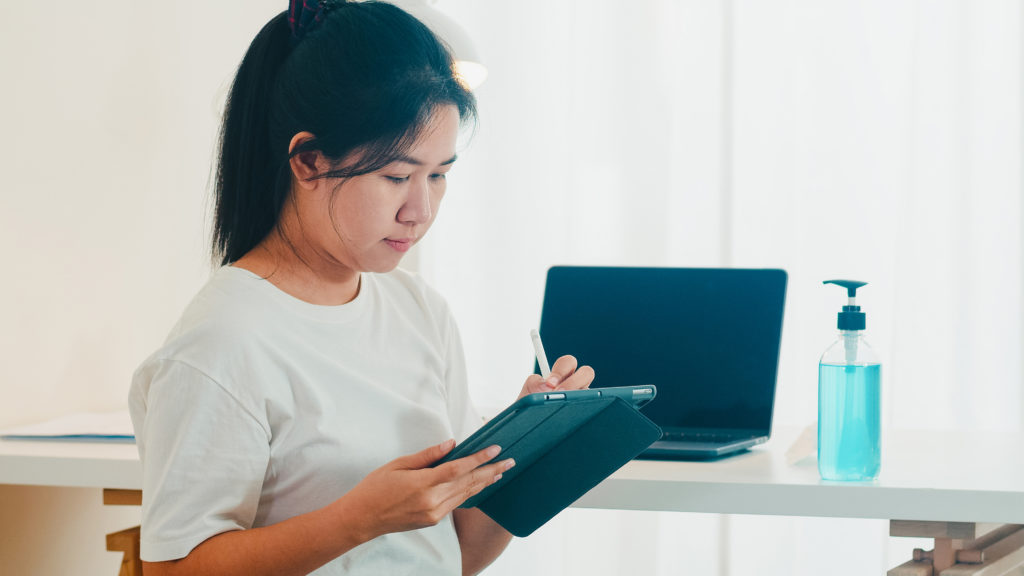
(699, 437)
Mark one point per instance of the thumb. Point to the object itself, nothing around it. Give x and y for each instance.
(425, 457)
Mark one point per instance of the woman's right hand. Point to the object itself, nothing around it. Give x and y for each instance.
(406, 493)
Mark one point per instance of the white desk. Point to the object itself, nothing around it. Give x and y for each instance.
(939, 476)
(70, 464)
(955, 477)
(942, 477)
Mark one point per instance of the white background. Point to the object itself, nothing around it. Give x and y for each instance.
(876, 140)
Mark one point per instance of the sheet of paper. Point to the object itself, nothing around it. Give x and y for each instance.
(804, 450)
(95, 426)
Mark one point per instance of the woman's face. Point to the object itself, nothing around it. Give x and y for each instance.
(371, 221)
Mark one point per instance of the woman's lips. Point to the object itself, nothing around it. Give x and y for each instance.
(402, 245)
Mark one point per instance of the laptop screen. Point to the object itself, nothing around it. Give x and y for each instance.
(708, 338)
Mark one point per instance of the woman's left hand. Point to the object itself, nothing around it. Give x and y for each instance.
(564, 376)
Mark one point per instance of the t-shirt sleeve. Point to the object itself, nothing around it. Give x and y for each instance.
(463, 414)
(204, 459)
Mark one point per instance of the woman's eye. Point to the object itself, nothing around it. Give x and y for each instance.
(439, 176)
(397, 179)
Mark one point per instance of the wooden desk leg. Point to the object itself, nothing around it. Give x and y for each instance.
(962, 549)
(126, 541)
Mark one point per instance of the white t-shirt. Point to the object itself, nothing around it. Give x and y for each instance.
(260, 407)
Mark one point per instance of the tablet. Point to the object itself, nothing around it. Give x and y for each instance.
(564, 443)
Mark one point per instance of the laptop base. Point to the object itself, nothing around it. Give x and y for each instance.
(669, 450)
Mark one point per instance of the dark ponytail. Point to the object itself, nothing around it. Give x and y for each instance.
(247, 192)
(366, 79)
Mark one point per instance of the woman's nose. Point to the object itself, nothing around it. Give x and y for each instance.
(416, 209)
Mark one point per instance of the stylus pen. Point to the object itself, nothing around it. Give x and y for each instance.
(542, 358)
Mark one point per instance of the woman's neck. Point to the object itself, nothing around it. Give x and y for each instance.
(299, 273)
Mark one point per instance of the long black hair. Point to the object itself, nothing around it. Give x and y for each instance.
(364, 79)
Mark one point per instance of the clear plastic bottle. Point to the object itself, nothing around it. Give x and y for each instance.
(849, 400)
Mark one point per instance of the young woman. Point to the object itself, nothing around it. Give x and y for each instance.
(290, 421)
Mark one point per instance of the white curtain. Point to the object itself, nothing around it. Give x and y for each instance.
(878, 140)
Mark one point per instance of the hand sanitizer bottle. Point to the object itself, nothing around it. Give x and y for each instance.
(849, 399)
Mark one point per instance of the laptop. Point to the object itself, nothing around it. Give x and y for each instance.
(708, 338)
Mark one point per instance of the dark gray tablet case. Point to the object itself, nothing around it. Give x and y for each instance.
(564, 444)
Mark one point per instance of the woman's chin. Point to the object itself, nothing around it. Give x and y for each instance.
(384, 266)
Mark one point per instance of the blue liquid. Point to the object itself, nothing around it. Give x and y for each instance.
(849, 421)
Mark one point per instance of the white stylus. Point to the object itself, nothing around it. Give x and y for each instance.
(542, 358)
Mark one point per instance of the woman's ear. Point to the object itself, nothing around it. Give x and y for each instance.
(306, 165)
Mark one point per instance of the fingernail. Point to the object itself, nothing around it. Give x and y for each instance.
(493, 451)
(552, 381)
(498, 477)
(448, 444)
(509, 463)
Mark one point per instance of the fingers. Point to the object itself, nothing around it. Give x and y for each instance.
(452, 471)
(579, 380)
(562, 369)
(466, 477)
(473, 483)
(407, 493)
(566, 376)
(425, 457)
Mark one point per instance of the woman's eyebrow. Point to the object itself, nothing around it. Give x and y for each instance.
(417, 162)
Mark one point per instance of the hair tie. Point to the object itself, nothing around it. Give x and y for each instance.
(303, 15)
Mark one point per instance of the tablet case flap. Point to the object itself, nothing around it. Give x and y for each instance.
(531, 434)
(568, 468)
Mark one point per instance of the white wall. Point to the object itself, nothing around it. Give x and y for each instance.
(109, 116)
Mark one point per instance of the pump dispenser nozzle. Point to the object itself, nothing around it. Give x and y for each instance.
(851, 319)
(850, 285)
